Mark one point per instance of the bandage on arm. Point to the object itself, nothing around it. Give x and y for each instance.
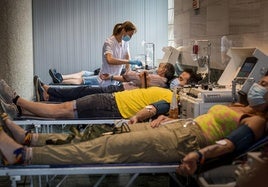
(146, 113)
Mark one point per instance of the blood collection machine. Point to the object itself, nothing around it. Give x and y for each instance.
(247, 65)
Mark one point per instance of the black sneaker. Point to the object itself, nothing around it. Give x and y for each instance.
(52, 73)
(38, 89)
(59, 77)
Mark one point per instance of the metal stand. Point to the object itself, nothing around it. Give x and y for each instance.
(204, 58)
(147, 45)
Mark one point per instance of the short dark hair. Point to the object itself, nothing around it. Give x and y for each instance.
(170, 71)
(194, 78)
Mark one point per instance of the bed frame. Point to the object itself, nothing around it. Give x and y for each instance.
(135, 169)
(15, 173)
(45, 125)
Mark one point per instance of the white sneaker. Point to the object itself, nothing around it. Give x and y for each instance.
(10, 109)
(7, 94)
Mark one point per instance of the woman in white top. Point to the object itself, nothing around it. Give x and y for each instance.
(116, 51)
(115, 55)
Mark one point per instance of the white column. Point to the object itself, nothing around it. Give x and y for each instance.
(16, 45)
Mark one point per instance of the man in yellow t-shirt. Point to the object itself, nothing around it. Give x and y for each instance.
(123, 104)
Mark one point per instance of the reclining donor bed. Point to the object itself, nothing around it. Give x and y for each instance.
(45, 174)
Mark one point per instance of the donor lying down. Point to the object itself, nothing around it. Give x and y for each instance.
(146, 142)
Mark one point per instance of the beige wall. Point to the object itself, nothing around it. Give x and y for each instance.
(242, 21)
(16, 49)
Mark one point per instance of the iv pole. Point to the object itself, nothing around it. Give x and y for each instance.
(153, 53)
(208, 55)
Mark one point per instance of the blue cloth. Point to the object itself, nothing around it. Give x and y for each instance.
(135, 62)
(243, 137)
(162, 107)
(58, 94)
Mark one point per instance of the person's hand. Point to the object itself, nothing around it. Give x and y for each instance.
(160, 119)
(105, 76)
(135, 62)
(133, 120)
(188, 165)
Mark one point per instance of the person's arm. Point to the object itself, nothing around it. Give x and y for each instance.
(191, 160)
(145, 113)
(112, 77)
(116, 61)
(237, 142)
(127, 67)
(127, 77)
(157, 108)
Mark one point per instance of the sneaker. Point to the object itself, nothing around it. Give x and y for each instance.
(38, 89)
(59, 76)
(10, 109)
(7, 94)
(52, 73)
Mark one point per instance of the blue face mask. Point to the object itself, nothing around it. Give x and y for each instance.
(256, 95)
(174, 83)
(126, 38)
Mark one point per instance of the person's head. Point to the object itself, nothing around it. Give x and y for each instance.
(186, 77)
(166, 70)
(258, 94)
(125, 30)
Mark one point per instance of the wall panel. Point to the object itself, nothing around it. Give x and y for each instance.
(69, 34)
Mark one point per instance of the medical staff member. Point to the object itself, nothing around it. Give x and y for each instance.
(115, 55)
(115, 52)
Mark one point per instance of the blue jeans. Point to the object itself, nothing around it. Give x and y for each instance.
(61, 94)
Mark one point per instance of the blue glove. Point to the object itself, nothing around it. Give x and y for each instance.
(135, 62)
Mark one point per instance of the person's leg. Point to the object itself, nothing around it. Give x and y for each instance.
(26, 137)
(11, 150)
(75, 78)
(152, 145)
(62, 110)
(69, 94)
(19, 134)
(73, 75)
(97, 106)
(73, 81)
(167, 144)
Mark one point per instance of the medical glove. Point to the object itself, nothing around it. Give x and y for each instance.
(135, 62)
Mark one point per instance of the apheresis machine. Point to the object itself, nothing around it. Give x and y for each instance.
(247, 65)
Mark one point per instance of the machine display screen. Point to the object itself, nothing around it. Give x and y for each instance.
(247, 67)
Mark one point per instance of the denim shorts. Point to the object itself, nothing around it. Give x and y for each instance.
(87, 74)
(91, 80)
(97, 106)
